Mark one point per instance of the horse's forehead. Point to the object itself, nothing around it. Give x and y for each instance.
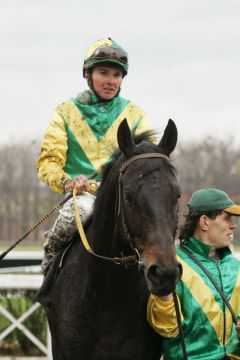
(148, 166)
(155, 174)
(145, 147)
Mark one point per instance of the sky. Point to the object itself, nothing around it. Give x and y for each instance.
(184, 61)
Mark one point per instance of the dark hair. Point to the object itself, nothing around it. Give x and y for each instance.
(191, 220)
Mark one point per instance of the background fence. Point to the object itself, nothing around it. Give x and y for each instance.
(23, 325)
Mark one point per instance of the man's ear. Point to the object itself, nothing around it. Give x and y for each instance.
(85, 74)
(204, 222)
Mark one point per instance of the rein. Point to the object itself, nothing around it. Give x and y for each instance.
(180, 328)
(124, 260)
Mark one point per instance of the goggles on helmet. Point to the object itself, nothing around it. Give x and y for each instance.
(107, 53)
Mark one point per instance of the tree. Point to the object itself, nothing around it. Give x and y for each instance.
(23, 198)
(209, 163)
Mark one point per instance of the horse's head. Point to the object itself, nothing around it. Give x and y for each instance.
(147, 206)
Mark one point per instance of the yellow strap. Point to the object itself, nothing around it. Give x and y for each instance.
(79, 223)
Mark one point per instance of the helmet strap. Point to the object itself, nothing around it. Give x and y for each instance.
(89, 78)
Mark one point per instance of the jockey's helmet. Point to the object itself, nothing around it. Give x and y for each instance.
(106, 51)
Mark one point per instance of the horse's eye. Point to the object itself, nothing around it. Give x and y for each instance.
(178, 196)
(129, 198)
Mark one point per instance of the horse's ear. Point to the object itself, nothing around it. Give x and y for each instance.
(169, 139)
(125, 140)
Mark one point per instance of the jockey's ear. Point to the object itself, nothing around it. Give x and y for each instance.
(125, 140)
(169, 139)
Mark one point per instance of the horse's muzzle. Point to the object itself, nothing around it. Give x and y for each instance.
(162, 280)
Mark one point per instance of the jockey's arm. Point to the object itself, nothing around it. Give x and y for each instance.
(161, 315)
(53, 155)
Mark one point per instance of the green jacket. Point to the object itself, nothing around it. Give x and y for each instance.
(82, 136)
(209, 331)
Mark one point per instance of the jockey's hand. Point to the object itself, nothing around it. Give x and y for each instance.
(80, 183)
(238, 327)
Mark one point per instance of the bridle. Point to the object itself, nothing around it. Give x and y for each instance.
(120, 213)
(123, 260)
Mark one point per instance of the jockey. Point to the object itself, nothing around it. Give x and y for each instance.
(208, 327)
(82, 136)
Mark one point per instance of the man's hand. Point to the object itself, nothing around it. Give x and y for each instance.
(80, 183)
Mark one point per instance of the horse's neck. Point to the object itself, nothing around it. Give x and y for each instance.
(102, 228)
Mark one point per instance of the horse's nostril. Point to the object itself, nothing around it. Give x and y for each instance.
(158, 275)
(153, 273)
(162, 279)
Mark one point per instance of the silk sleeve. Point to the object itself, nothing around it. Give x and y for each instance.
(53, 155)
(161, 316)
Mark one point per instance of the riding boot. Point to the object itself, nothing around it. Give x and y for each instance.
(65, 226)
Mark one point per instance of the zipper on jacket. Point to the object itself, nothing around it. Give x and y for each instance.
(224, 307)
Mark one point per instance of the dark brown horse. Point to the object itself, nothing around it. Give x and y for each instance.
(97, 308)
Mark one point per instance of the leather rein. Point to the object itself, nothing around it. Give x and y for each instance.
(123, 260)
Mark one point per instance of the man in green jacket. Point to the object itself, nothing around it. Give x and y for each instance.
(208, 327)
(83, 134)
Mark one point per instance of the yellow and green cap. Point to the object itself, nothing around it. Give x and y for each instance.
(106, 51)
(210, 199)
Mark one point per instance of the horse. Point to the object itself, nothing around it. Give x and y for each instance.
(96, 307)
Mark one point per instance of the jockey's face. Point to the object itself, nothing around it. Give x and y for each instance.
(216, 232)
(220, 230)
(106, 81)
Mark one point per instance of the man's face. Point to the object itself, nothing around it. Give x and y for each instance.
(220, 230)
(106, 81)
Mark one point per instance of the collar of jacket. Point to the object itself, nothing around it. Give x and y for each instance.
(88, 97)
(200, 248)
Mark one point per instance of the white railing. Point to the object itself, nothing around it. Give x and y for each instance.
(26, 282)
